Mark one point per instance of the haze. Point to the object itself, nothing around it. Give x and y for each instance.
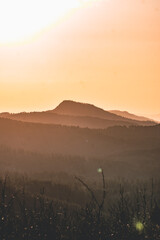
(107, 53)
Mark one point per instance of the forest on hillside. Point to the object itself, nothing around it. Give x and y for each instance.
(65, 183)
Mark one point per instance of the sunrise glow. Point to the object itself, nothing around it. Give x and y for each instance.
(103, 52)
(79, 119)
(23, 19)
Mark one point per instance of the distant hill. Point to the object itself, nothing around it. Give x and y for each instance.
(66, 120)
(73, 108)
(126, 114)
(71, 113)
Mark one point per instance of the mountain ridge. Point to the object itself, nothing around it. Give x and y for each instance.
(129, 115)
(71, 113)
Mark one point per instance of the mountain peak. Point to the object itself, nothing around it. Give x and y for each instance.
(69, 107)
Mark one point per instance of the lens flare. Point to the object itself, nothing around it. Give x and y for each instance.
(99, 170)
(139, 226)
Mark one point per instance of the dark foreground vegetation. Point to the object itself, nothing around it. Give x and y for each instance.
(48, 210)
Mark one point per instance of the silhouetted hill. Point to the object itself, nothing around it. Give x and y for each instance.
(70, 113)
(121, 151)
(73, 108)
(130, 115)
(130, 164)
(81, 121)
(46, 138)
(49, 138)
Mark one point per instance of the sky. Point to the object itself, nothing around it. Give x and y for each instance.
(106, 53)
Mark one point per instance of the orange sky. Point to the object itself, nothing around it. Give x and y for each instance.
(107, 54)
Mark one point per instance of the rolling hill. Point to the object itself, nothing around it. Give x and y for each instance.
(70, 113)
(73, 108)
(121, 151)
(126, 114)
(49, 138)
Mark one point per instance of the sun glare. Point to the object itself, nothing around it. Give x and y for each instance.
(22, 19)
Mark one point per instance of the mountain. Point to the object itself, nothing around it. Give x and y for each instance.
(70, 113)
(126, 114)
(73, 108)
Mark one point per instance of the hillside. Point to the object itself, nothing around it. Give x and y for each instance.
(66, 120)
(48, 138)
(121, 151)
(126, 114)
(73, 108)
(70, 113)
